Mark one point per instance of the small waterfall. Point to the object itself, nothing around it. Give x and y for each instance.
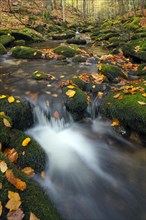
(86, 178)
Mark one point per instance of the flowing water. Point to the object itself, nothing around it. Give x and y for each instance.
(93, 173)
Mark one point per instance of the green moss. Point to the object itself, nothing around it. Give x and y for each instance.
(26, 52)
(19, 42)
(79, 58)
(34, 155)
(66, 51)
(128, 111)
(19, 111)
(34, 199)
(77, 103)
(80, 83)
(132, 23)
(2, 49)
(111, 71)
(141, 69)
(138, 35)
(6, 39)
(4, 129)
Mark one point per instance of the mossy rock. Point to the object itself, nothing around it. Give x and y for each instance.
(80, 83)
(34, 198)
(111, 71)
(6, 40)
(141, 70)
(19, 111)
(127, 110)
(66, 51)
(27, 34)
(19, 43)
(76, 41)
(76, 104)
(30, 156)
(109, 35)
(138, 36)
(5, 126)
(39, 75)
(62, 36)
(2, 49)
(79, 59)
(26, 52)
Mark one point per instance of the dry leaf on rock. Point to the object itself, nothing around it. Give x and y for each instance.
(115, 122)
(11, 99)
(14, 201)
(141, 103)
(3, 166)
(15, 215)
(11, 154)
(6, 123)
(26, 141)
(33, 217)
(70, 93)
(28, 171)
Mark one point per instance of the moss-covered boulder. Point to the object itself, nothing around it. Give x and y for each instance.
(31, 155)
(2, 49)
(39, 75)
(111, 71)
(26, 52)
(76, 41)
(75, 100)
(33, 198)
(66, 51)
(128, 106)
(18, 110)
(79, 59)
(141, 70)
(6, 40)
(5, 126)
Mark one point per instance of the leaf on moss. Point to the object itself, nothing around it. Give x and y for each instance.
(28, 171)
(70, 93)
(100, 95)
(38, 74)
(26, 141)
(117, 95)
(33, 217)
(2, 96)
(11, 154)
(3, 166)
(1, 208)
(70, 87)
(6, 123)
(141, 103)
(15, 215)
(11, 99)
(2, 113)
(115, 122)
(19, 184)
(144, 95)
(14, 201)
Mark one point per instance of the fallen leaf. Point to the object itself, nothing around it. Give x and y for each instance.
(100, 95)
(26, 141)
(70, 93)
(33, 217)
(38, 74)
(1, 186)
(35, 53)
(2, 113)
(1, 208)
(11, 154)
(120, 97)
(0, 146)
(15, 215)
(70, 87)
(144, 95)
(141, 103)
(43, 175)
(117, 95)
(6, 123)
(2, 96)
(3, 166)
(11, 99)
(28, 171)
(115, 122)
(14, 201)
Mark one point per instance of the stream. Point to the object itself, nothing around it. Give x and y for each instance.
(93, 173)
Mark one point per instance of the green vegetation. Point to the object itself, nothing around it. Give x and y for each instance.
(6, 40)
(2, 49)
(5, 126)
(66, 51)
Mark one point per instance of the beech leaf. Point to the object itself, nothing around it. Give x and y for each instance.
(141, 103)
(15, 215)
(3, 166)
(117, 95)
(28, 171)
(70, 93)
(11, 99)
(11, 154)
(115, 122)
(33, 217)
(26, 141)
(6, 123)
(2, 96)
(14, 201)
(144, 95)
(70, 87)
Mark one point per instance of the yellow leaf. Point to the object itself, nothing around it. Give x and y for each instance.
(1, 208)
(100, 94)
(144, 95)
(35, 53)
(70, 87)
(117, 95)
(26, 141)
(11, 99)
(14, 201)
(2, 113)
(3, 166)
(38, 74)
(33, 217)
(70, 93)
(6, 123)
(141, 103)
(115, 122)
(2, 96)
(99, 67)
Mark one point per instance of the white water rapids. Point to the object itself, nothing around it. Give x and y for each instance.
(88, 177)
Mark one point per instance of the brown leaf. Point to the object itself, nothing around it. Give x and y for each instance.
(15, 215)
(28, 171)
(33, 217)
(3, 166)
(11, 154)
(6, 123)
(1, 208)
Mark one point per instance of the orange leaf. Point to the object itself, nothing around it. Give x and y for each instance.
(120, 97)
(33, 217)
(70, 93)
(6, 123)
(14, 201)
(15, 215)
(26, 141)
(11, 99)
(1, 208)
(28, 171)
(3, 166)
(115, 122)
(141, 103)
(11, 154)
